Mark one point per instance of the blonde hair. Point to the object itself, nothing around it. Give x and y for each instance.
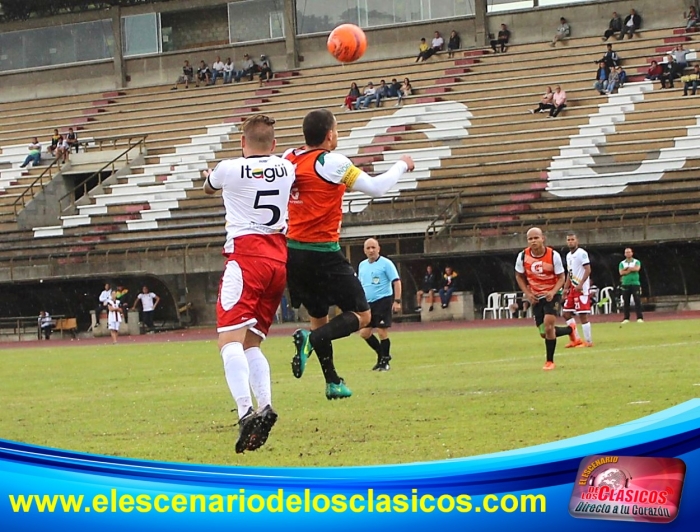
(259, 131)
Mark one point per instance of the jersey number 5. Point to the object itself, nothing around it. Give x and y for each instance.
(274, 209)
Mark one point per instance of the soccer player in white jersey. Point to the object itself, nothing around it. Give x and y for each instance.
(577, 290)
(255, 190)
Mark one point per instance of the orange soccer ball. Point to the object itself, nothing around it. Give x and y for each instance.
(347, 43)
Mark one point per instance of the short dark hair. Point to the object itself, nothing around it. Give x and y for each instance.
(259, 130)
(316, 126)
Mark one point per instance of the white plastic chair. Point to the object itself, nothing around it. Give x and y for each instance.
(493, 305)
(506, 301)
(607, 293)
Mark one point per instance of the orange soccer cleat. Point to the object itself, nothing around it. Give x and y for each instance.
(578, 342)
(548, 366)
(585, 344)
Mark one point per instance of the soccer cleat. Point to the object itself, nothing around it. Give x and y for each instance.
(267, 418)
(585, 344)
(640, 320)
(624, 321)
(573, 337)
(247, 425)
(576, 343)
(548, 366)
(377, 365)
(384, 366)
(303, 352)
(337, 391)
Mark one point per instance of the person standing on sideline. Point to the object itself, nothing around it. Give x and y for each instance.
(318, 273)
(382, 285)
(149, 301)
(114, 316)
(577, 289)
(45, 325)
(629, 281)
(430, 284)
(255, 190)
(540, 275)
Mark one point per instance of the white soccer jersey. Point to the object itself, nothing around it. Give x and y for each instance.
(147, 301)
(575, 263)
(255, 191)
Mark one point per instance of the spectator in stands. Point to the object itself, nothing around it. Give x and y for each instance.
(654, 71)
(611, 59)
(680, 57)
(187, 76)
(601, 78)
(405, 90)
(72, 139)
(34, 156)
(54, 142)
(369, 95)
(265, 69)
(453, 44)
(447, 286)
(351, 98)
(546, 103)
(382, 92)
(436, 45)
(393, 88)
(691, 18)
(691, 80)
(614, 26)
(559, 102)
(632, 23)
(502, 40)
(250, 68)
(429, 286)
(670, 72)
(563, 32)
(45, 324)
(422, 50)
(62, 150)
(613, 81)
(228, 71)
(149, 301)
(203, 73)
(217, 70)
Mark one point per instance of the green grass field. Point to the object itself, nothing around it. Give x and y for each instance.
(449, 394)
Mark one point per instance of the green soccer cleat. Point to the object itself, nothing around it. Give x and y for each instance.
(337, 391)
(303, 352)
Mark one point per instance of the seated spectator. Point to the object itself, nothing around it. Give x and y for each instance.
(34, 156)
(352, 97)
(611, 59)
(369, 95)
(502, 40)
(563, 32)
(631, 24)
(203, 73)
(614, 26)
(45, 324)
(680, 58)
(265, 69)
(228, 71)
(250, 68)
(691, 18)
(404, 91)
(72, 139)
(546, 103)
(393, 88)
(447, 286)
(422, 50)
(54, 142)
(187, 76)
(670, 72)
(435, 46)
(429, 286)
(519, 307)
(613, 81)
(453, 44)
(654, 71)
(691, 80)
(217, 70)
(601, 78)
(559, 102)
(382, 92)
(62, 150)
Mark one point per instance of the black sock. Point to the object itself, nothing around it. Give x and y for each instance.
(339, 327)
(324, 353)
(562, 331)
(373, 342)
(386, 346)
(551, 346)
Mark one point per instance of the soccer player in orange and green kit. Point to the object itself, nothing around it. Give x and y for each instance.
(318, 274)
(540, 274)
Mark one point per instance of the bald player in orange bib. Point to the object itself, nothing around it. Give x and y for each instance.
(318, 274)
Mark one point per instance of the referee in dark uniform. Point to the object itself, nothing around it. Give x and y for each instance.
(380, 281)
